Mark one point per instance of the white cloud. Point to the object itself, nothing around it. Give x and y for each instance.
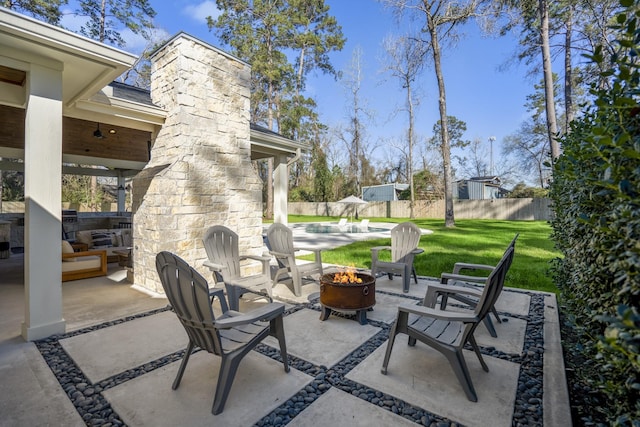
(199, 12)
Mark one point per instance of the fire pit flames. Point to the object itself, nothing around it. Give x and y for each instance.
(349, 276)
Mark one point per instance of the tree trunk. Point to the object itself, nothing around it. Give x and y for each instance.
(552, 126)
(449, 220)
(410, 160)
(568, 71)
(300, 72)
(103, 18)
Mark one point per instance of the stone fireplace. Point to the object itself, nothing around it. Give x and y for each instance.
(200, 171)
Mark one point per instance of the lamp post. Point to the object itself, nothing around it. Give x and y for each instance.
(491, 139)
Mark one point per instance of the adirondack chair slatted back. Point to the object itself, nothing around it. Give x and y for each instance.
(494, 284)
(188, 294)
(222, 247)
(280, 242)
(280, 239)
(231, 336)
(405, 238)
(506, 261)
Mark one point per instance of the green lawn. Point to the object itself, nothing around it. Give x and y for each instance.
(474, 241)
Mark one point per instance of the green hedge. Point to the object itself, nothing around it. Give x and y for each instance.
(596, 196)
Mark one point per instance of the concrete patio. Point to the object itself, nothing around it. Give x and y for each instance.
(117, 363)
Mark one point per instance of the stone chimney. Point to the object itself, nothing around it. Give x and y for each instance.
(200, 173)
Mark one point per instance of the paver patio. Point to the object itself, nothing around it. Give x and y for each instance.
(128, 365)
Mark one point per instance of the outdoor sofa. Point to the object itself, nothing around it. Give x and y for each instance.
(83, 264)
(109, 240)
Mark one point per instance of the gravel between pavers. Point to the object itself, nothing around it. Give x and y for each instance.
(96, 411)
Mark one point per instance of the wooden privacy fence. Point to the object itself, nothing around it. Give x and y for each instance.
(507, 209)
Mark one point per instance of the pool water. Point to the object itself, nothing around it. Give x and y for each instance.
(348, 228)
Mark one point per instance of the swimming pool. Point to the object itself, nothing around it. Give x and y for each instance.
(335, 228)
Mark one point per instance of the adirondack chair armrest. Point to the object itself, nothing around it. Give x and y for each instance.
(445, 277)
(279, 254)
(298, 248)
(233, 318)
(213, 266)
(375, 250)
(466, 266)
(256, 257)
(466, 317)
(219, 293)
(315, 251)
(434, 290)
(265, 260)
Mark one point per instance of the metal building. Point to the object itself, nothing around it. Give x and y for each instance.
(478, 188)
(383, 193)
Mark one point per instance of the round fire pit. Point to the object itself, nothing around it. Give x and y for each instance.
(347, 296)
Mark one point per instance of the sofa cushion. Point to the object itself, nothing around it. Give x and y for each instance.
(67, 249)
(83, 263)
(101, 239)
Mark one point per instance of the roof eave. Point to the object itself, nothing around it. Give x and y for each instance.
(34, 38)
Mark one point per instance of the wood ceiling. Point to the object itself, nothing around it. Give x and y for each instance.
(78, 137)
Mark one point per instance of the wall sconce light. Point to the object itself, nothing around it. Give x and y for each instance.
(112, 131)
(97, 133)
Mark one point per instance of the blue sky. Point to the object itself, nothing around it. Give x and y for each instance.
(490, 101)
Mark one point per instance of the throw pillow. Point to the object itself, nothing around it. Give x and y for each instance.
(126, 238)
(101, 239)
(116, 238)
(67, 249)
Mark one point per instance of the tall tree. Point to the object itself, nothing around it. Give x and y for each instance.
(354, 134)
(262, 32)
(455, 129)
(46, 10)
(322, 177)
(104, 18)
(405, 59)
(258, 32)
(547, 71)
(568, 64)
(316, 34)
(438, 20)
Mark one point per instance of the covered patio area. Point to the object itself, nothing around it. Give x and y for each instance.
(188, 148)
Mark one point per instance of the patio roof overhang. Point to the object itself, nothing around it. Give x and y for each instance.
(87, 66)
(88, 69)
(265, 144)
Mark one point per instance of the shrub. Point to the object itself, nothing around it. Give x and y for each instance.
(596, 192)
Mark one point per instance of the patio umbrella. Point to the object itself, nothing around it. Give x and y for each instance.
(353, 201)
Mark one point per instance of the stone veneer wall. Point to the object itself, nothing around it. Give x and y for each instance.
(200, 173)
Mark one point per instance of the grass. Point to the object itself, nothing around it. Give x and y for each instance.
(473, 241)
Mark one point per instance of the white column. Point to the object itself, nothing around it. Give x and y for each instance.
(280, 190)
(43, 226)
